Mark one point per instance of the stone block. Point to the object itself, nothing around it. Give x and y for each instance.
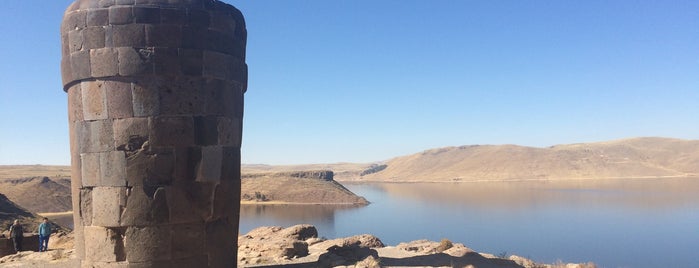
(104, 62)
(201, 196)
(212, 92)
(172, 131)
(95, 136)
(125, 2)
(231, 163)
(220, 42)
(130, 133)
(74, 20)
(90, 169)
(112, 169)
(80, 64)
(232, 101)
(206, 130)
(129, 35)
(76, 40)
(166, 61)
(150, 169)
(209, 169)
(222, 252)
(146, 14)
(97, 264)
(119, 100)
(144, 208)
(75, 103)
(163, 35)
(223, 22)
(151, 264)
(151, 243)
(146, 99)
(98, 17)
(182, 97)
(120, 15)
(94, 37)
(180, 208)
(230, 131)
(191, 61)
(186, 161)
(94, 100)
(85, 208)
(135, 61)
(226, 199)
(173, 16)
(66, 71)
(105, 4)
(187, 240)
(103, 244)
(107, 205)
(198, 18)
(194, 261)
(217, 65)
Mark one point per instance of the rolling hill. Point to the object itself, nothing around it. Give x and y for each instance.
(628, 158)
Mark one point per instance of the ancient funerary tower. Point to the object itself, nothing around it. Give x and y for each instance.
(155, 99)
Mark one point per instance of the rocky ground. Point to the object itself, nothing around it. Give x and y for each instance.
(299, 247)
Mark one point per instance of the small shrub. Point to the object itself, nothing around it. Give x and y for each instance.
(444, 245)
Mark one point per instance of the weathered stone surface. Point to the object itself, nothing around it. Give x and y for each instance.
(85, 214)
(144, 208)
(94, 37)
(135, 61)
(75, 104)
(120, 15)
(187, 240)
(222, 252)
(163, 35)
(98, 17)
(94, 101)
(104, 62)
(146, 98)
(112, 169)
(94, 136)
(151, 243)
(210, 165)
(103, 244)
(172, 131)
(130, 133)
(119, 99)
(80, 64)
(90, 164)
(107, 204)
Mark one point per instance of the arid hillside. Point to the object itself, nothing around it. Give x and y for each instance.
(628, 158)
(39, 194)
(302, 187)
(9, 211)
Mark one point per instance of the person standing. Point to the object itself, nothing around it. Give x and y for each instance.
(44, 233)
(17, 234)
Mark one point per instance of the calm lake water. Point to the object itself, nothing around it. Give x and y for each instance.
(618, 223)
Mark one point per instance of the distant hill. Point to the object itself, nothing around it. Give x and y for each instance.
(39, 194)
(628, 158)
(9, 211)
(299, 187)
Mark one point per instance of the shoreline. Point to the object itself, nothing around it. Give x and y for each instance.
(603, 179)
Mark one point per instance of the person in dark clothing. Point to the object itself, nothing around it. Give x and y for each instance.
(17, 234)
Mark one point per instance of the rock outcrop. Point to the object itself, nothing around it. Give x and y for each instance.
(297, 187)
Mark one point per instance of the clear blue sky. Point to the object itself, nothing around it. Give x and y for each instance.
(363, 81)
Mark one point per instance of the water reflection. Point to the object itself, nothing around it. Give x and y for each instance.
(322, 216)
(615, 223)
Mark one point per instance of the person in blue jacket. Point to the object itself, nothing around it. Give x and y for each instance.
(44, 233)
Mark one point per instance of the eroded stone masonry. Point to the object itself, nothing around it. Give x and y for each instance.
(155, 99)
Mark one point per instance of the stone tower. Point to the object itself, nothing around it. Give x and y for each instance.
(155, 99)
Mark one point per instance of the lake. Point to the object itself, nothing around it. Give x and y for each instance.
(614, 223)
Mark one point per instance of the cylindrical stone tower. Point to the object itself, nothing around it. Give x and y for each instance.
(155, 99)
